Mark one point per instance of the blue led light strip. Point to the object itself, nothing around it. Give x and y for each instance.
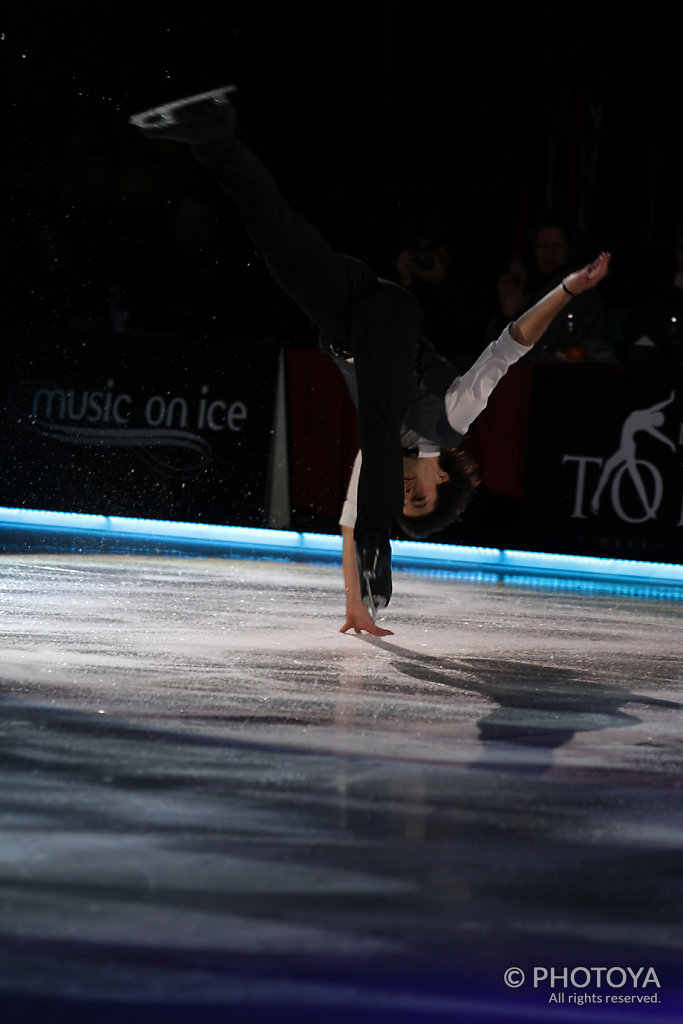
(263, 542)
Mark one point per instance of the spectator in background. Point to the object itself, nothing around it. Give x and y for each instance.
(582, 332)
(452, 305)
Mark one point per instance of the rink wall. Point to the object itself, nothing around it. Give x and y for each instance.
(581, 460)
(35, 531)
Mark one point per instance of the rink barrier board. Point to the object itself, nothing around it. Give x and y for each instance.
(30, 529)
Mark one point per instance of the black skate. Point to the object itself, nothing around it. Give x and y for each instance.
(373, 558)
(198, 120)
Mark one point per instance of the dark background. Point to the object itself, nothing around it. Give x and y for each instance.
(367, 112)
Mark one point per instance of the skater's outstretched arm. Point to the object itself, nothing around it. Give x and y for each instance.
(468, 395)
(358, 617)
(532, 325)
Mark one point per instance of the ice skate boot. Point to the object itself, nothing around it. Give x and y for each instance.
(199, 120)
(373, 557)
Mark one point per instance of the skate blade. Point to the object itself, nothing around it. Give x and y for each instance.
(165, 115)
(375, 604)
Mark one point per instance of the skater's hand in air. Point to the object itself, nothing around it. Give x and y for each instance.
(533, 322)
(360, 620)
(582, 280)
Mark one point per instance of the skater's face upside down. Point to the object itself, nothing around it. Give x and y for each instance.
(421, 478)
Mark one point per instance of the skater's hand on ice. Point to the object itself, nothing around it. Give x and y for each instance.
(582, 280)
(360, 620)
(358, 615)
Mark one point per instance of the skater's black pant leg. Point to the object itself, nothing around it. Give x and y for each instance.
(298, 258)
(378, 321)
(385, 329)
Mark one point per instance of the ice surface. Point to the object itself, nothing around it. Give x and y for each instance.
(212, 797)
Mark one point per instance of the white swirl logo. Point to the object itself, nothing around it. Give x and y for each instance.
(514, 977)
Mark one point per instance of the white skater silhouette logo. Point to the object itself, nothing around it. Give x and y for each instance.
(625, 461)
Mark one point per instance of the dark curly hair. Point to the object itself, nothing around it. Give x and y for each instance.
(452, 497)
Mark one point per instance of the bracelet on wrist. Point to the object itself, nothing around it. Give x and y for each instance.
(568, 290)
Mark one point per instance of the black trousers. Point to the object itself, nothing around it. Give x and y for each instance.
(376, 320)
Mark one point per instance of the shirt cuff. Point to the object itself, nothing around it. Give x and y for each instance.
(349, 512)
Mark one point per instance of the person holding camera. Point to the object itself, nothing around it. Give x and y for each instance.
(423, 263)
(452, 306)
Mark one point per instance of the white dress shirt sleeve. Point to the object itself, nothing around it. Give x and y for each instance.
(468, 395)
(349, 510)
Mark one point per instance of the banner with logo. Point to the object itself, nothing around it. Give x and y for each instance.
(142, 425)
(604, 466)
